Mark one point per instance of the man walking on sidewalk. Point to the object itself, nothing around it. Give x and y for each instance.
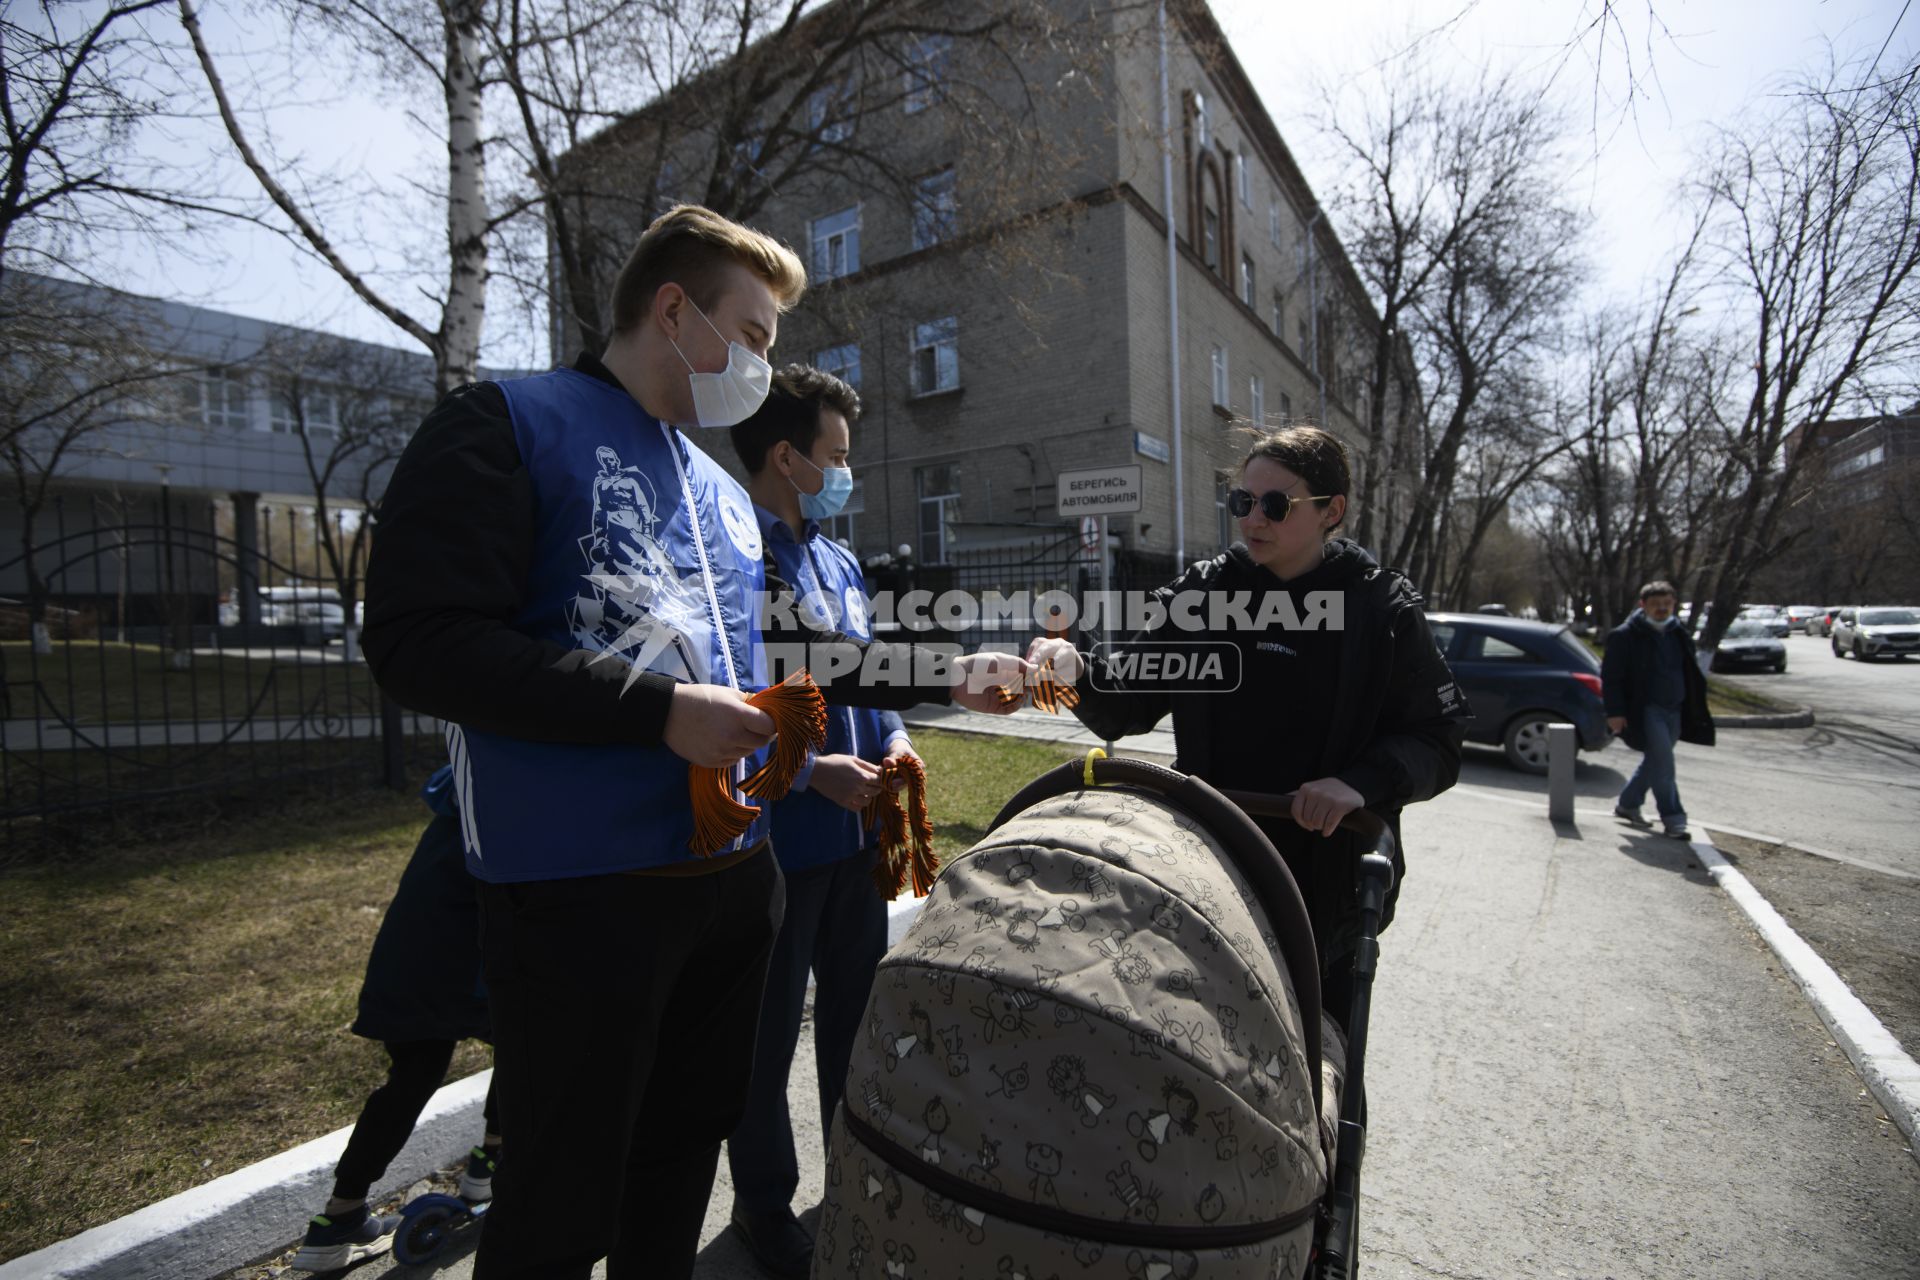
(1656, 696)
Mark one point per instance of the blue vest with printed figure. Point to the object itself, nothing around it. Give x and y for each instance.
(644, 551)
(810, 830)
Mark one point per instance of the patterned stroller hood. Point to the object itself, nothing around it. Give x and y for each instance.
(1087, 1057)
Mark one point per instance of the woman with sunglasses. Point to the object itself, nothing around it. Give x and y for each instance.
(1334, 689)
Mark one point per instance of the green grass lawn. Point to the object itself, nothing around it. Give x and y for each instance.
(100, 682)
(176, 1010)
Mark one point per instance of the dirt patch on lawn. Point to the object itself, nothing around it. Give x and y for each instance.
(1863, 923)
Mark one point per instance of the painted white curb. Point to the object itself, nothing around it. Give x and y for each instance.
(1892, 1075)
(255, 1211)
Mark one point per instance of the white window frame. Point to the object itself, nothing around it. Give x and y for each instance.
(942, 339)
(1279, 314)
(1257, 399)
(936, 209)
(925, 74)
(1243, 179)
(842, 361)
(1246, 278)
(321, 406)
(232, 408)
(1221, 386)
(1273, 223)
(938, 502)
(842, 225)
(1202, 131)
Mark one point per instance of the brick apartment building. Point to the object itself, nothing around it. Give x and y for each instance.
(1006, 324)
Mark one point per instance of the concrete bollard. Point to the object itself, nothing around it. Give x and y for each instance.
(1561, 747)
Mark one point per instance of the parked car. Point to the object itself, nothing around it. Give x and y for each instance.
(1750, 645)
(1876, 632)
(1518, 678)
(1798, 615)
(1821, 623)
(1497, 610)
(1767, 616)
(309, 606)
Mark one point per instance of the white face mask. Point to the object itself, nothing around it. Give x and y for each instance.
(736, 392)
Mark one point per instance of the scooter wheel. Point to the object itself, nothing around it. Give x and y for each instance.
(424, 1225)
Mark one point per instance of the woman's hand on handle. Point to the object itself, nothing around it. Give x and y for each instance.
(1319, 805)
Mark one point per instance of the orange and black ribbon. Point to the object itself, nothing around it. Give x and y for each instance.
(905, 830)
(1041, 689)
(800, 726)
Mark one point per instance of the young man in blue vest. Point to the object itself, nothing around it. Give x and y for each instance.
(571, 584)
(795, 451)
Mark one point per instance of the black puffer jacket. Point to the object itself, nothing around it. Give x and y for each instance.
(1377, 699)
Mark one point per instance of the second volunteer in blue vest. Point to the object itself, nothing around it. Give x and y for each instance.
(795, 451)
(567, 580)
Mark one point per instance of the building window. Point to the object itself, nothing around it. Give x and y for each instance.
(223, 399)
(1286, 408)
(926, 72)
(1243, 175)
(290, 405)
(1279, 314)
(935, 213)
(1273, 224)
(1202, 136)
(843, 362)
(1304, 335)
(1246, 279)
(1257, 399)
(1220, 376)
(1210, 239)
(829, 114)
(746, 156)
(1221, 485)
(936, 356)
(840, 527)
(666, 187)
(939, 490)
(836, 244)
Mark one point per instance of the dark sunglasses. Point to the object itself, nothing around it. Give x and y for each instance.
(1274, 504)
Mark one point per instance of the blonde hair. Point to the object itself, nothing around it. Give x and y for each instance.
(690, 246)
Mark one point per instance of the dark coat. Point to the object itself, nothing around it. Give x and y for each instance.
(1626, 675)
(423, 976)
(1393, 735)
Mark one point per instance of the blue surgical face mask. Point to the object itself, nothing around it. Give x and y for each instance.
(836, 484)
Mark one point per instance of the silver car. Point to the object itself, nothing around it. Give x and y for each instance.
(1876, 632)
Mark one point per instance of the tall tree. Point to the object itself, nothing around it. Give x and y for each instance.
(1812, 251)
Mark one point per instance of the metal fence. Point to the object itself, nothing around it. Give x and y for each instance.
(178, 663)
(155, 658)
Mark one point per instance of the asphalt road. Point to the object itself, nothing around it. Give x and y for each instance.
(1850, 784)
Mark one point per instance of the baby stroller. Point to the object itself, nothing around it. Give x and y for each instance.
(1100, 1051)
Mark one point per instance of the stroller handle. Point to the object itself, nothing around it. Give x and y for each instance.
(1362, 822)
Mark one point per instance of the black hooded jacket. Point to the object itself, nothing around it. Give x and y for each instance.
(1626, 674)
(1369, 701)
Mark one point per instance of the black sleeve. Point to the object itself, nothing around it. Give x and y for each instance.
(1415, 753)
(851, 672)
(452, 549)
(1116, 708)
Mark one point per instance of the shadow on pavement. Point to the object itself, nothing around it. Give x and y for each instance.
(1664, 854)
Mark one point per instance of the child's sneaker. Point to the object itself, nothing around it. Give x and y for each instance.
(332, 1243)
(476, 1180)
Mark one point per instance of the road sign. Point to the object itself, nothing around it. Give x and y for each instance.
(1103, 492)
(1089, 533)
